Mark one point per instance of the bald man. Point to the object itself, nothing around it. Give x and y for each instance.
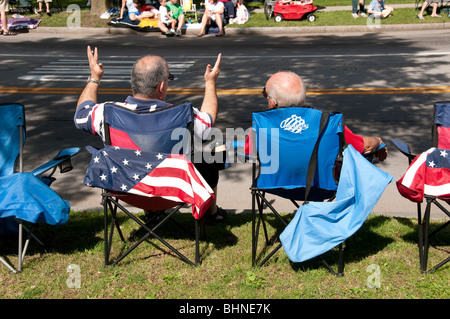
(149, 84)
(286, 89)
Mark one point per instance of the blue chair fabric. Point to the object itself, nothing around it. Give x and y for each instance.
(300, 153)
(26, 196)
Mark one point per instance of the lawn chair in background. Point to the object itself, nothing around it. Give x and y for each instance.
(428, 176)
(300, 152)
(189, 7)
(27, 197)
(139, 167)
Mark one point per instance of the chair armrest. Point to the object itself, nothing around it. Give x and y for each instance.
(62, 160)
(404, 149)
(373, 156)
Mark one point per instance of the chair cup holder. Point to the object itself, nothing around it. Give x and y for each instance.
(65, 166)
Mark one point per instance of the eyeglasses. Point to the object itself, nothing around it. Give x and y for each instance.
(171, 77)
(264, 93)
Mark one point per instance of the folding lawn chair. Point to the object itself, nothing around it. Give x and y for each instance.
(428, 176)
(300, 153)
(189, 7)
(158, 175)
(27, 197)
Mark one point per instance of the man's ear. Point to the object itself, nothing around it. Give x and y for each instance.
(160, 89)
(272, 103)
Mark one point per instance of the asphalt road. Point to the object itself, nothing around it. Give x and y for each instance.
(385, 83)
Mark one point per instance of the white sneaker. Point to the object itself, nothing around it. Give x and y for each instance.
(362, 14)
(106, 15)
(355, 15)
(178, 33)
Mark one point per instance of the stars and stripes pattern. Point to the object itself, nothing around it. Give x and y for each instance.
(428, 174)
(170, 176)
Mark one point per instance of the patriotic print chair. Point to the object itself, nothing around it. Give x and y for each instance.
(25, 197)
(428, 177)
(146, 164)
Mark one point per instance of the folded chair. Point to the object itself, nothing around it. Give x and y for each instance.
(26, 196)
(428, 176)
(300, 153)
(151, 153)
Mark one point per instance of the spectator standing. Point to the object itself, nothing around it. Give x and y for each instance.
(4, 7)
(358, 9)
(425, 5)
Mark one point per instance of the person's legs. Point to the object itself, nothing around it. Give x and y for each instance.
(4, 21)
(229, 5)
(434, 13)
(387, 12)
(355, 8)
(424, 6)
(210, 173)
(164, 29)
(40, 6)
(47, 7)
(219, 22)
(362, 11)
(205, 21)
(180, 24)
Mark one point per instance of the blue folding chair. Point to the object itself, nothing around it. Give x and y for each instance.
(162, 132)
(298, 150)
(27, 197)
(440, 136)
(301, 157)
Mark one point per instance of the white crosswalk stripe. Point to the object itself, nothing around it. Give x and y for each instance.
(78, 70)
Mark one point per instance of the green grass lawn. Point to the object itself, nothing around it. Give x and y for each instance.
(400, 16)
(387, 244)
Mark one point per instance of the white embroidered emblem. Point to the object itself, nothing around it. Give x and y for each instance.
(294, 124)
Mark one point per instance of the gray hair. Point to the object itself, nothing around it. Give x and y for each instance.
(288, 90)
(147, 73)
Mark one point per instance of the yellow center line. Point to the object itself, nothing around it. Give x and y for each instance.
(344, 91)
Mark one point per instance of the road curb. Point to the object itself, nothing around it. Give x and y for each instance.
(256, 30)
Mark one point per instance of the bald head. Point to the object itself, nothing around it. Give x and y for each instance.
(286, 89)
(147, 75)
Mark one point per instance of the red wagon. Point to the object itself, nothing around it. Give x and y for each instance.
(290, 10)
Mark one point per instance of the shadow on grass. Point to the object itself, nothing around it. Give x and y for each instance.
(85, 231)
(364, 243)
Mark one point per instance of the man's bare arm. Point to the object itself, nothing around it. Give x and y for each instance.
(210, 103)
(91, 89)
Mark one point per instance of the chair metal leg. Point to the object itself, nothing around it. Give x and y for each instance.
(105, 231)
(21, 246)
(197, 243)
(253, 228)
(8, 265)
(340, 268)
(259, 199)
(424, 236)
(113, 206)
(19, 255)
